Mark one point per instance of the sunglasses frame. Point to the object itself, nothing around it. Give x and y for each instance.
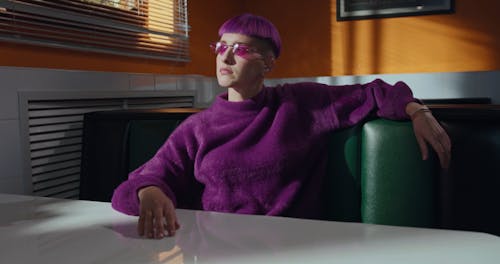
(238, 49)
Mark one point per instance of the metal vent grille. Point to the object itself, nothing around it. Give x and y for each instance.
(54, 138)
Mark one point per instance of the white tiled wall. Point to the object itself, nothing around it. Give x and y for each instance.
(14, 80)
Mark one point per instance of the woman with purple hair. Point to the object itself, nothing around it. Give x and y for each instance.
(258, 149)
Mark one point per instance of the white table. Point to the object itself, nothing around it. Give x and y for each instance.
(43, 230)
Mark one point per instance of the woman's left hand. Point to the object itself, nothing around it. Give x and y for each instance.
(428, 130)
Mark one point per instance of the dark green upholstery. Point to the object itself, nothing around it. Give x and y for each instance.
(342, 188)
(376, 175)
(398, 187)
(145, 137)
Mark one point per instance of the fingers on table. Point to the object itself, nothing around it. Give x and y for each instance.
(151, 224)
(159, 227)
(171, 218)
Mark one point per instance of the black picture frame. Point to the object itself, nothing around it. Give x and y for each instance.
(366, 9)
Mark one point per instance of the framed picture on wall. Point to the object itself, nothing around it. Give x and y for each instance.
(364, 9)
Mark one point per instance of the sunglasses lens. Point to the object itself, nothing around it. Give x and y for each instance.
(221, 48)
(240, 50)
(218, 48)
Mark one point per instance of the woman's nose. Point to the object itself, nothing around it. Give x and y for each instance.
(228, 57)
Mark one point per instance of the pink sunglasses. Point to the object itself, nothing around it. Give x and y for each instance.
(238, 49)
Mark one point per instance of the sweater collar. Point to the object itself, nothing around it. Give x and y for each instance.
(248, 105)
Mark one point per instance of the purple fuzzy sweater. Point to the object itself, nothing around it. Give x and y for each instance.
(265, 155)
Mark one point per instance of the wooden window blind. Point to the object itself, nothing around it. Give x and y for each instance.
(140, 28)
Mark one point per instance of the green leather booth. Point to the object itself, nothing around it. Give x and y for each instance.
(377, 175)
(375, 171)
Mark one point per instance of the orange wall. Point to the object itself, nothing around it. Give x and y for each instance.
(306, 35)
(468, 40)
(314, 43)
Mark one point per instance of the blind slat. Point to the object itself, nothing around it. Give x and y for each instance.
(68, 111)
(57, 181)
(55, 159)
(55, 143)
(56, 189)
(55, 151)
(149, 29)
(54, 128)
(55, 120)
(56, 135)
(55, 174)
(55, 166)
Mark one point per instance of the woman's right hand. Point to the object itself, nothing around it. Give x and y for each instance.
(157, 213)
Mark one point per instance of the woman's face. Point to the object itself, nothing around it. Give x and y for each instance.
(241, 70)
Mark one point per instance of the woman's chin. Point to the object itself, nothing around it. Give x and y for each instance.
(225, 82)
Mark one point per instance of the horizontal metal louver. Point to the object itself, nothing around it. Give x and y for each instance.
(149, 29)
(55, 137)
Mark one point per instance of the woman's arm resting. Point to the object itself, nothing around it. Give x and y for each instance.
(428, 130)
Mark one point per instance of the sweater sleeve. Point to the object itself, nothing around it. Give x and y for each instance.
(355, 102)
(170, 169)
(346, 105)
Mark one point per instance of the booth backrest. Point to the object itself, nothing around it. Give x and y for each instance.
(376, 175)
(375, 170)
(398, 187)
(116, 142)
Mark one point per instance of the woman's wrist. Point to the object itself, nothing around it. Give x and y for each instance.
(144, 189)
(413, 109)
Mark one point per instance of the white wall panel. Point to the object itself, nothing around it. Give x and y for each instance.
(10, 157)
(8, 94)
(142, 82)
(12, 185)
(166, 82)
(33, 79)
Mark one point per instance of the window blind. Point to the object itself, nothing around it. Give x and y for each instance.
(140, 28)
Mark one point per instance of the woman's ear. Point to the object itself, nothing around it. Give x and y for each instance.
(269, 62)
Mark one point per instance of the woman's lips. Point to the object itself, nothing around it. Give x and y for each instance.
(225, 71)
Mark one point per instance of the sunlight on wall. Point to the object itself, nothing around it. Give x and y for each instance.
(161, 18)
(438, 43)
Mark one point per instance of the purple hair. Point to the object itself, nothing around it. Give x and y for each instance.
(254, 26)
